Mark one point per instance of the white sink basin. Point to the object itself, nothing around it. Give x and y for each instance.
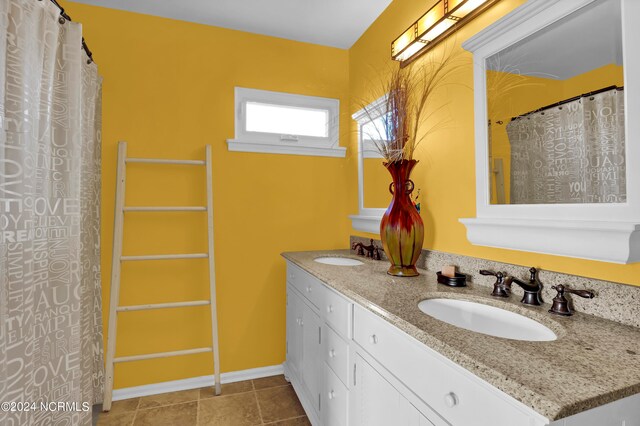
(486, 319)
(338, 261)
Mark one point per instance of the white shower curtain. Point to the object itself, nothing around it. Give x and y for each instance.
(50, 302)
(573, 153)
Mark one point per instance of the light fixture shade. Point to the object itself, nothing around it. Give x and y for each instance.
(445, 17)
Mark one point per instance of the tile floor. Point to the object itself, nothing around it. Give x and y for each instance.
(267, 401)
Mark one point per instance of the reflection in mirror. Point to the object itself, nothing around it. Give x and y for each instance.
(556, 113)
(376, 184)
(376, 178)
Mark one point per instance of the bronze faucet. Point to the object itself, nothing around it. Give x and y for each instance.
(372, 251)
(502, 286)
(561, 304)
(532, 289)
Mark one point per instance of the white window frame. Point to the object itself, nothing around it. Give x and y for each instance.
(367, 219)
(286, 144)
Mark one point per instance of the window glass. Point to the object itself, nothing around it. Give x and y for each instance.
(286, 120)
(375, 130)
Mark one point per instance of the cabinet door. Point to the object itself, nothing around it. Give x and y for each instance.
(311, 354)
(415, 417)
(294, 332)
(375, 402)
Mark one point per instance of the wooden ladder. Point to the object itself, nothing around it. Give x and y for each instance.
(118, 258)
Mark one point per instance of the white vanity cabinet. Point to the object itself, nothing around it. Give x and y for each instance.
(318, 332)
(294, 331)
(311, 344)
(443, 391)
(351, 367)
(303, 348)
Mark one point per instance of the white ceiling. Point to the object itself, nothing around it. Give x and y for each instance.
(336, 23)
(580, 42)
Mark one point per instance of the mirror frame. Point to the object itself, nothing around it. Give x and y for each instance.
(606, 232)
(367, 219)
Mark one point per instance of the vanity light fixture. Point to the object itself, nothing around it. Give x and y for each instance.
(443, 19)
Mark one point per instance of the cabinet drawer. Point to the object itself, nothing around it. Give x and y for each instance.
(337, 312)
(310, 287)
(457, 395)
(336, 354)
(335, 401)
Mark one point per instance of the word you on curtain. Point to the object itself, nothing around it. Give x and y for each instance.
(573, 153)
(50, 303)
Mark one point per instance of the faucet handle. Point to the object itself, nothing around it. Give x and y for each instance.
(499, 289)
(587, 294)
(560, 304)
(533, 271)
(376, 253)
(358, 248)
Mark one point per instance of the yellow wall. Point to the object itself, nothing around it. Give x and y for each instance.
(168, 91)
(449, 195)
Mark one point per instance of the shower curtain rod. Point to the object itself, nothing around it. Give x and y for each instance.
(64, 15)
(566, 101)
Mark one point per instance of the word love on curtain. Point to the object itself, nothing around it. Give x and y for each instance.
(50, 301)
(574, 153)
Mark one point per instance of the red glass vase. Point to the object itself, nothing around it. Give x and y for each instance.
(401, 228)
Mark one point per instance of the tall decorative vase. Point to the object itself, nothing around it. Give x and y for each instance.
(401, 228)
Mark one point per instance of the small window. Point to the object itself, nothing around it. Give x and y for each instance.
(285, 123)
(375, 129)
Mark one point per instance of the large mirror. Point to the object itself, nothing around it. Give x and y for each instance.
(557, 138)
(555, 107)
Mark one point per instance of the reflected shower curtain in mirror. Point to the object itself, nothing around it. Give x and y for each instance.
(572, 153)
(50, 301)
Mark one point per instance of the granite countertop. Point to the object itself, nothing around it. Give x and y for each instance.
(593, 362)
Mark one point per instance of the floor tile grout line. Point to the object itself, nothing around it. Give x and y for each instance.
(273, 387)
(197, 400)
(166, 405)
(224, 395)
(135, 414)
(255, 395)
(279, 420)
(284, 420)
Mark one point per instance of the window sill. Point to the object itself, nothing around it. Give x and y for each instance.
(237, 145)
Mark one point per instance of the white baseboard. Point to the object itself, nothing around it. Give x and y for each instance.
(196, 382)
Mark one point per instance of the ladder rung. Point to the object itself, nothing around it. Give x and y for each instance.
(165, 209)
(166, 256)
(162, 305)
(160, 355)
(165, 161)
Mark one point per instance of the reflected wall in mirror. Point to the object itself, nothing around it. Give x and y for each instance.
(376, 178)
(556, 113)
(376, 184)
